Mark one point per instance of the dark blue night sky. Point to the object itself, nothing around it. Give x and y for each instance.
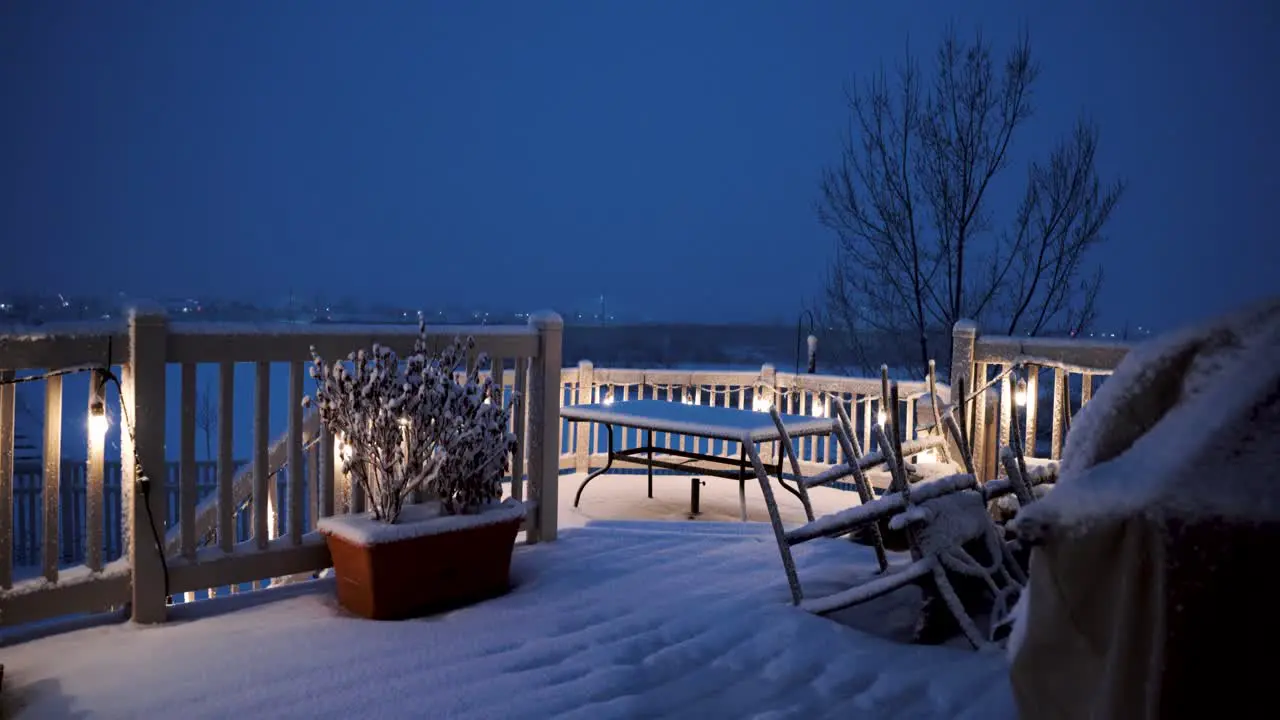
(534, 154)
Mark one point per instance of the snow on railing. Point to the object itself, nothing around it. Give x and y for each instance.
(1013, 367)
(583, 444)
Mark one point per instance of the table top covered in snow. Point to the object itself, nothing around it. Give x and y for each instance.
(719, 423)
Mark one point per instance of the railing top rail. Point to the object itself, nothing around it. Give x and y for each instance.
(785, 380)
(61, 344)
(908, 389)
(73, 343)
(1071, 354)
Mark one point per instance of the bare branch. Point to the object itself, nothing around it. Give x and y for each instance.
(909, 200)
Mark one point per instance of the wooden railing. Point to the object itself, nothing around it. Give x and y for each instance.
(202, 525)
(583, 444)
(226, 523)
(989, 368)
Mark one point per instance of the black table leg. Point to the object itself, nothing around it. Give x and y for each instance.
(742, 481)
(608, 464)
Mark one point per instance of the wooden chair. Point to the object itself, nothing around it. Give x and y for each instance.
(941, 518)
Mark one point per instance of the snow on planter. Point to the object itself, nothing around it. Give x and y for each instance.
(416, 521)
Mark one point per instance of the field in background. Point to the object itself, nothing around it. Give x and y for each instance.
(737, 346)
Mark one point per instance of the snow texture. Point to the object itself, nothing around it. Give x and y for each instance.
(1188, 426)
(699, 420)
(625, 620)
(416, 521)
(77, 575)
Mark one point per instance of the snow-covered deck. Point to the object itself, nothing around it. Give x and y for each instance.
(622, 496)
(620, 618)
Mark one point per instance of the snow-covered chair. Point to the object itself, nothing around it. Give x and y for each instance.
(850, 467)
(940, 518)
(1022, 484)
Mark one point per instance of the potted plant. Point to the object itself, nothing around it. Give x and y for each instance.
(411, 428)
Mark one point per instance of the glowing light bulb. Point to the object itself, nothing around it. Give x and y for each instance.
(882, 417)
(1020, 394)
(97, 422)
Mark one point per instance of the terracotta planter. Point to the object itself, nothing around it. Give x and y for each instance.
(424, 563)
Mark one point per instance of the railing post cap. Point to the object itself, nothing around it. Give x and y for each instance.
(546, 320)
(146, 312)
(965, 326)
(585, 364)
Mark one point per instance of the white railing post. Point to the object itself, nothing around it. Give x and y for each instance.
(145, 403)
(582, 449)
(545, 392)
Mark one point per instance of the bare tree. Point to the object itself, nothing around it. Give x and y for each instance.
(206, 419)
(911, 203)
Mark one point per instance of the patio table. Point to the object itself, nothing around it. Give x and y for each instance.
(698, 421)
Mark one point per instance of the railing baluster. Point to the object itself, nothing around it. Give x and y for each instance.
(328, 473)
(52, 474)
(582, 431)
(94, 492)
(866, 423)
(226, 460)
(261, 440)
(8, 529)
(1006, 407)
(1033, 409)
(1086, 388)
(978, 434)
(1059, 395)
(519, 462)
(496, 364)
(187, 470)
(909, 432)
(296, 476)
(313, 480)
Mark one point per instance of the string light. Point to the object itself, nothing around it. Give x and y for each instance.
(761, 402)
(1020, 394)
(97, 422)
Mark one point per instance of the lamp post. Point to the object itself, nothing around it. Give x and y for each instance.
(813, 342)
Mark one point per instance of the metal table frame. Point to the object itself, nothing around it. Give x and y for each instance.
(740, 468)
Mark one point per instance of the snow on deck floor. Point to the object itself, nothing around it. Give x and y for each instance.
(623, 496)
(616, 620)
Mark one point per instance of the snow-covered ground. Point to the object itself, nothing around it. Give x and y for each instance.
(651, 618)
